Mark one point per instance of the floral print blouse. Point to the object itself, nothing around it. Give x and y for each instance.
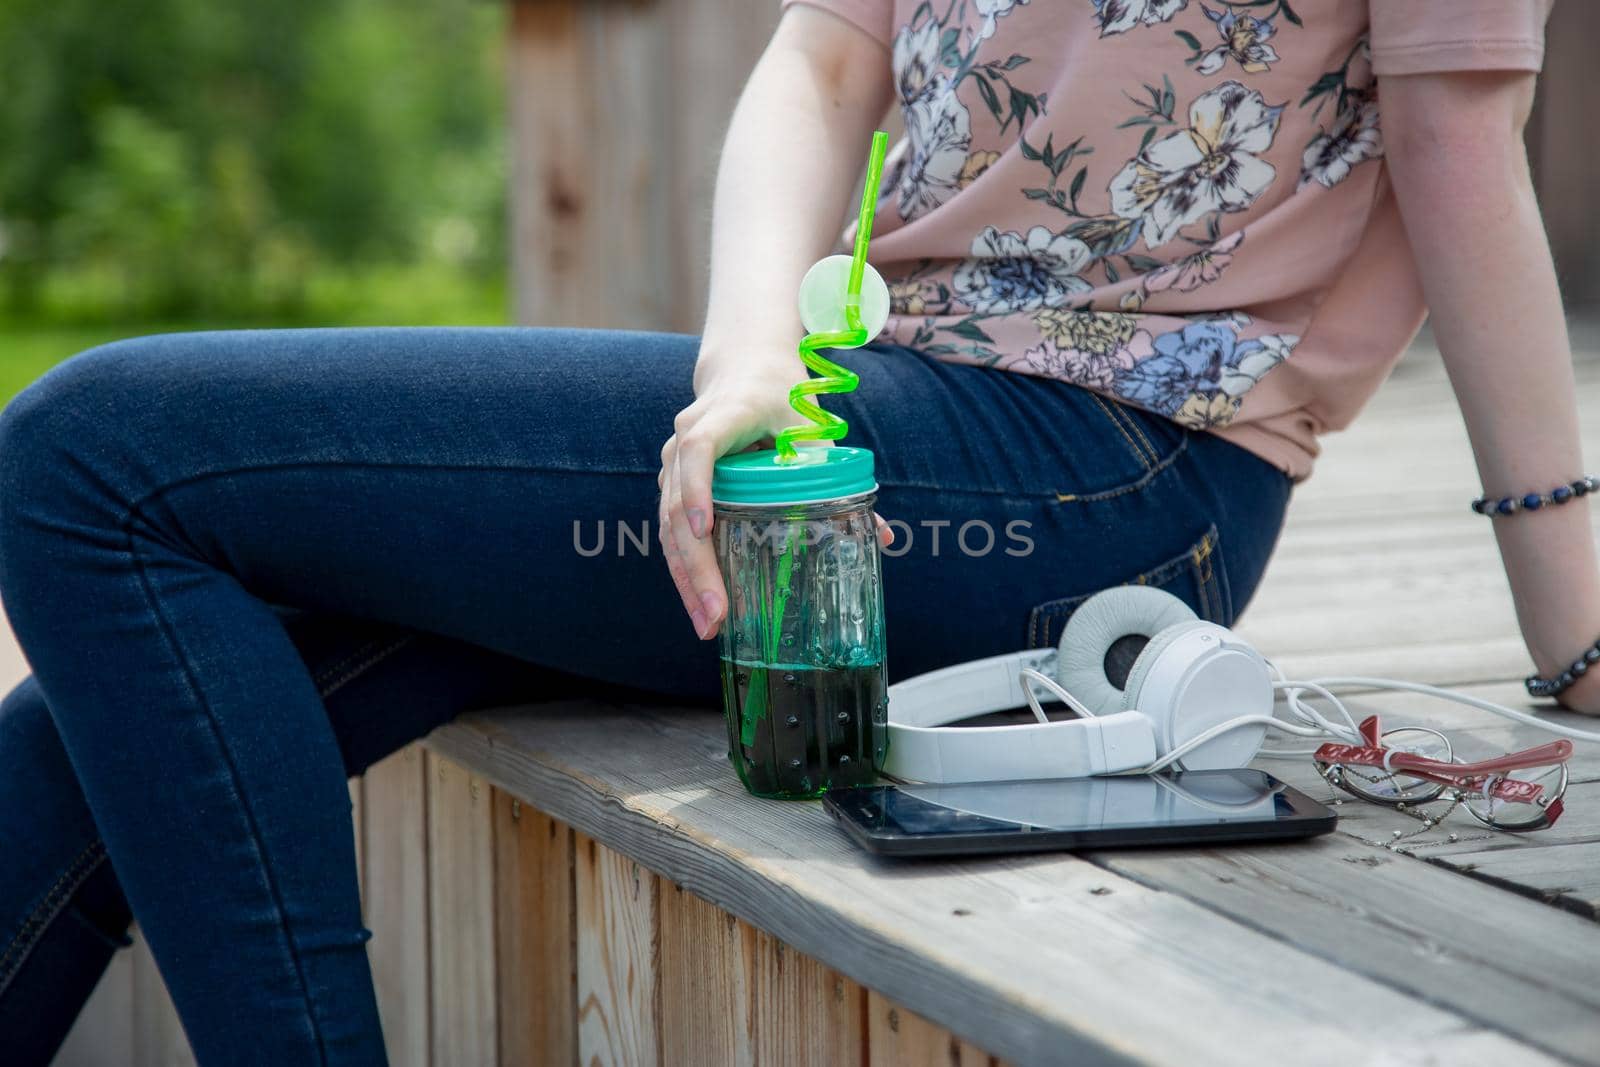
(1178, 203)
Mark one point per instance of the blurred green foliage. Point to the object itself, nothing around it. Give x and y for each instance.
(300, 160)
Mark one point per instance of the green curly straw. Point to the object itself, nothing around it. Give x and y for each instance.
(824, 425)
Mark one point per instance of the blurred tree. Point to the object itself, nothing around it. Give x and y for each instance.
(183, 157)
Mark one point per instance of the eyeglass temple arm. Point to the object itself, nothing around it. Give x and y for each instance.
(1550, 752)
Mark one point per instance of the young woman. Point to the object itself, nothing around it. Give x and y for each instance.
(1142, 253)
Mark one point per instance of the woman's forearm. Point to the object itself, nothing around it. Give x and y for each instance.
(789, 163)
(1462, 179)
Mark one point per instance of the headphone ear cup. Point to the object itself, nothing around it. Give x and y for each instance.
(1102, 630)
(1147, 658)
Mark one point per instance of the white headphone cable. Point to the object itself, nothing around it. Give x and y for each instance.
(1029, 677)
(1312, 724)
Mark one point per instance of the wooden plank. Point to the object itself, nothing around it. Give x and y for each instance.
(158, 1038)
(712, 47)
(461, 906)
(627, 79)
(103, 1034)
(901, 1038)
(1566, 874)
(617, 951)
(1410, 924)
(395, 854)
(993, 949)
(535, 921)
(808, 1013)
(592, 128)
(551, 128)
(707, 1009)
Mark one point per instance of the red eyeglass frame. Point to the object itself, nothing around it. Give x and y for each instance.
(1485, 777)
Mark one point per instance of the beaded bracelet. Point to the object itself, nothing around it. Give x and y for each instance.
(1549, 687)
(1561, 494)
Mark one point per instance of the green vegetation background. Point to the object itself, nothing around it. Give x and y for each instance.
(182, 164)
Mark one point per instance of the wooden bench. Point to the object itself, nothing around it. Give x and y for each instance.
(591, 884)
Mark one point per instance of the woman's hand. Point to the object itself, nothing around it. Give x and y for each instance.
(733, 408)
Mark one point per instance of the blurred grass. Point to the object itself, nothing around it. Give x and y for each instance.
(372, 297)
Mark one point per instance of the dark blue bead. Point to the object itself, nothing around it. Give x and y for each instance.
(1533, 501)
(1580, 487)
(1508, 506)
(1561, 494)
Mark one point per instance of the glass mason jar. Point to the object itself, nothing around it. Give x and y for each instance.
(802, 647)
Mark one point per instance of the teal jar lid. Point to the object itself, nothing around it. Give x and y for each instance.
(818, 474)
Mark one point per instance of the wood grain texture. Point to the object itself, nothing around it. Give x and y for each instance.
(103, 1034)
(708, 1011)
(591, 125)
(901, 1038)
(805, 1012)
(974, 945)
(535, 920)
(1564, 874)
(395, 855)
(1410, 924)
(617, 950)
(461, 906)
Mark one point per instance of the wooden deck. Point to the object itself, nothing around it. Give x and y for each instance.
(587, 884)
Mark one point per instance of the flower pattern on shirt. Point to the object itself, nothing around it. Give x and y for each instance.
(1244, 40)
(1010, 272)
(1120, 16)
(1354, 136)
(1200, 372)
(1195, 155)
(1213, 165)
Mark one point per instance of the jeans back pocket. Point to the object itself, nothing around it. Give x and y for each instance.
(1196, 576)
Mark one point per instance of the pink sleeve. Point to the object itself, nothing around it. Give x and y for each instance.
(1428, 36)
(873, 17)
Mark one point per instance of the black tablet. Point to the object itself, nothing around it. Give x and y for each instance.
(1184, 807)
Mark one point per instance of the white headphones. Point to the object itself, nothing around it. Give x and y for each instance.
(1155, 686)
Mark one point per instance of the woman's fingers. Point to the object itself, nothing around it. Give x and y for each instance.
(885, 531)
(698, 449)
(677, 565)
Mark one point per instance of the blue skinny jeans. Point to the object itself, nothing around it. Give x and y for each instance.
(244, 566)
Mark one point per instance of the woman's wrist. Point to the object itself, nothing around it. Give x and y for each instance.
(747, 358)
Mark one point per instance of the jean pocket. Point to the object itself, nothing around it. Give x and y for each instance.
(1197, 576)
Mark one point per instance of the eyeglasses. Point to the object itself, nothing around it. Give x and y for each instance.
(1413, 765)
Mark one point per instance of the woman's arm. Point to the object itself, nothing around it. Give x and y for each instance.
(792, 154)
(1455, 152)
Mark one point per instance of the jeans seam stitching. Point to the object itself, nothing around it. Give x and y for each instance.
(367, 664)
(1138, 453)
(1118, 412)
(1132, 487)
(54, 900)
(253, 828)
(135, 508)
(1133, 423)
(340, 664)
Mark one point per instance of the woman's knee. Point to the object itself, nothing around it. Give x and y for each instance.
(74, 452)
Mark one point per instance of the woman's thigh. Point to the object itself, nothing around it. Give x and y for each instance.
(498, 487)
